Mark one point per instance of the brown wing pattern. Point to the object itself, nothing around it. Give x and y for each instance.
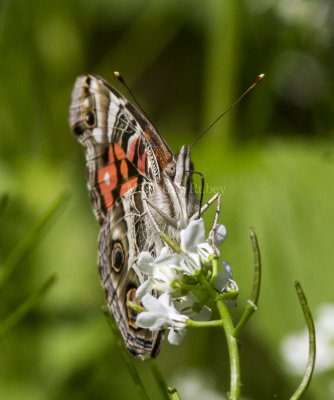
(122, 148)
(123, 151)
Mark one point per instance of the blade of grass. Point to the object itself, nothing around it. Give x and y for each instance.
(23, 248)
(129, 361)
(3, 202)
(160, 380)
(29, 304)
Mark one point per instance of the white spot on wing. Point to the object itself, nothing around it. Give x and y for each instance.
(107, 178)
(86, 103)
(98, 134)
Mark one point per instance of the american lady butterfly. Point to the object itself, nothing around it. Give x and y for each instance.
(137, 188)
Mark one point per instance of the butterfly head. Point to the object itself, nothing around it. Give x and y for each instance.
(174, 199)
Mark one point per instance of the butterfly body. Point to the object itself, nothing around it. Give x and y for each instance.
(137, 188)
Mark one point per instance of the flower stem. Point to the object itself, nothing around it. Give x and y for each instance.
(233, 350)
(251, 305)
(232, 344)
(203, 324)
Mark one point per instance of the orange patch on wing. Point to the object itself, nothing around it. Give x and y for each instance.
(108, 200)
(111, 155)
(130, 184)
(141, 159)
(107, 181)
(142, 163)
(119, 152)
(161, 155)
(124, 169)
(107, 178)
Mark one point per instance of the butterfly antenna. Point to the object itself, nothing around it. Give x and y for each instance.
(258, 79)
(121, 79)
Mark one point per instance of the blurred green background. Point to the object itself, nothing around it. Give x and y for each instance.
(272, 155)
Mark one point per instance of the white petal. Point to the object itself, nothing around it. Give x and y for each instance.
(176, 336)
(164, 274)
(164, 251)
(145, 261)
(227, 269)
(220, 234)
(168, 259)
(205, 250)
(196, 264)
(221, 281)
(166, 301)
(151, 320)
(151, 303)
(185, 268)
(192, 235)
(143, 289)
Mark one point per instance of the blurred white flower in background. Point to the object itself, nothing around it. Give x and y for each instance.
(196, 384)
(294, 347)
(312, 18)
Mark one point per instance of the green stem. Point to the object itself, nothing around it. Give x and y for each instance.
(135, 306)
(251, 305)
(186, 286)
(173, 394)
(227, 324)
(249, 310)
(203, 324)
(160, 380)
(233, 351)
(312, 345)
(214, 271)
(126, 356)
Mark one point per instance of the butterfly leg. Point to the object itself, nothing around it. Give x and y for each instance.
(215, 222)
(149, 213)
(166, 217)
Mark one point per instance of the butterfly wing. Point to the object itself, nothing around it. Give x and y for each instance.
(122, 148)
(123, 153)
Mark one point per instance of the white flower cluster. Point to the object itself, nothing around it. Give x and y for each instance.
(172, 274)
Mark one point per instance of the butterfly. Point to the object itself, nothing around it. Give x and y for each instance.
(138, 187)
